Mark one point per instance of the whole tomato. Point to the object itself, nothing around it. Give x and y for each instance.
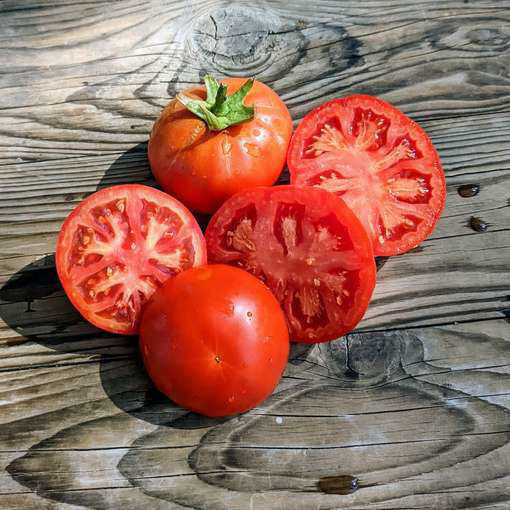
(214, 339)
(215, 140)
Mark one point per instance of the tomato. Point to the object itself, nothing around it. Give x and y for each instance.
(379, 161)
(118, 246)
(307, 246)
(203, 167)
(214, 340)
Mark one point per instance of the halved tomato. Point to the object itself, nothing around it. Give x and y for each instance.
(379, 161)
(308, 247)
(118, 246)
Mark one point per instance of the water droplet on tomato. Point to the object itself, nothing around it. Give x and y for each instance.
(252, 149)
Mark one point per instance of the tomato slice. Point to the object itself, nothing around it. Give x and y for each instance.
(308, 247)
(118, 246)
(379, 161)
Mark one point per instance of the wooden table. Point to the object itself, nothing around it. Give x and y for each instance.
(412, 410)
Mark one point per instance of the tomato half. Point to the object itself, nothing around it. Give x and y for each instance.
(202, 168)
(214, 340)
(309, 249)
(118, 246)
(379, 161)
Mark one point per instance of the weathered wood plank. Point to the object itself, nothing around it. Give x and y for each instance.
(92, 83)
(420, 417)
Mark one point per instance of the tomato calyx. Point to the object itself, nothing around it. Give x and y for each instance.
(218, 110)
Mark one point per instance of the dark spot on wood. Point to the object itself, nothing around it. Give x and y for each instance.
(75, 196)
(298, 352)
(342, 484)
(30, 284)
(85, 83)
(417, 249)
(380, 262)
(468, 190)
(478, 225)
(351, 374)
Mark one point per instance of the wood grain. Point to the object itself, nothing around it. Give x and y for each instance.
(414, 407)
(415, 420)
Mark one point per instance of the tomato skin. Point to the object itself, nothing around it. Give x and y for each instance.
(292, 272)
(203, 168)
(214, 340)
(135, 259)
(306, 169)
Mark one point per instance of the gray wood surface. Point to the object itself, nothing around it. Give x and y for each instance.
(410, 411)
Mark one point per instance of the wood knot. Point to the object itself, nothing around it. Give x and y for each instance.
(241, 40)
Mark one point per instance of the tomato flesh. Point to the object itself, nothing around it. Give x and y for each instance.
(309, 249)
(379, 161)
(214, 340)
(118, 246)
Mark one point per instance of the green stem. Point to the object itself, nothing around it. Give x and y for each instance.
(218, 110)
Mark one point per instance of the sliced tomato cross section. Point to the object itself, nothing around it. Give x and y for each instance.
(379, 161)
(118, 246)
(308, 247)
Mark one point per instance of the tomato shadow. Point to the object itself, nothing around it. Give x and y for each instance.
(34, 306)
(131, 167)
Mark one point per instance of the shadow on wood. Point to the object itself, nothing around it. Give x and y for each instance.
(33, 304)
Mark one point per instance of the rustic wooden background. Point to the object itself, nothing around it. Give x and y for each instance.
(413, 410)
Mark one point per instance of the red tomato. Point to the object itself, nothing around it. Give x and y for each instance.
(202, 168)
(309, 249)
(214, 340)
(379, 161)
(118, 246)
